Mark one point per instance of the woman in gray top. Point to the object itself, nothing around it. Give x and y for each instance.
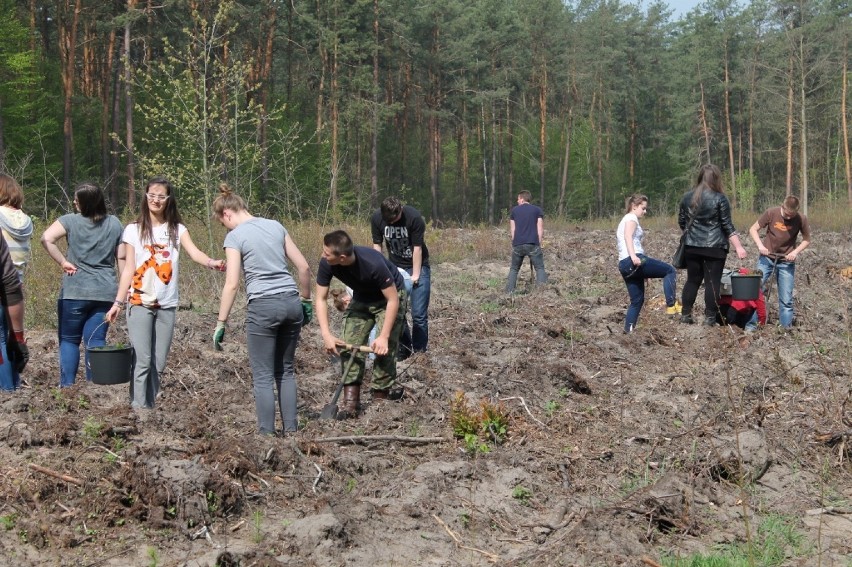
(275, 315)
(89, 276)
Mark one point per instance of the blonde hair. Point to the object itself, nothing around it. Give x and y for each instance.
(227, 199)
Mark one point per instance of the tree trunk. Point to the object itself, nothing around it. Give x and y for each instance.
(266, 86)
(705, 127)
(803, 131)
(542, 132)
(789, 185)
(107, 87)
(844, 128)
(731, 162)
(67, 47)
(374, 138)
(564, 182)
(128, 114)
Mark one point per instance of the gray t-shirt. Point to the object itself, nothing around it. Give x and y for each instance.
(260, 243)
(91, 247)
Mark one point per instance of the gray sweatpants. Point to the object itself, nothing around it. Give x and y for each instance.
(273, 325)
(150, 332)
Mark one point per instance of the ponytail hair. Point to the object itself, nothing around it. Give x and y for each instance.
(227, 199)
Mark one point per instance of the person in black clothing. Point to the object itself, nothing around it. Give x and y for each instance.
(705, 215)
(378, 299)
(402, 229)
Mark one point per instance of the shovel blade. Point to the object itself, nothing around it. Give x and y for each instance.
(329, 412)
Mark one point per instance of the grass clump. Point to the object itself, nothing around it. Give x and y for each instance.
(776, 541)
(480, 427)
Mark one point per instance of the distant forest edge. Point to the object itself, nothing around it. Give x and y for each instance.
(317, 109)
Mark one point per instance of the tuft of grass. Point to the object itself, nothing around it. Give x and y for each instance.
(522, 494)
(92, 429)
(489, 424)
(776, 541)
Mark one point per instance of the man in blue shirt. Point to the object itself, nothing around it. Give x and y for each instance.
(526, 225)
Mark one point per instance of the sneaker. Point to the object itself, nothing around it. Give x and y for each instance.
(710, 321)
(686, 318)
(674, 309)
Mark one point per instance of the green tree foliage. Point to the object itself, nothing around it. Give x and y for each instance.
(464, 103)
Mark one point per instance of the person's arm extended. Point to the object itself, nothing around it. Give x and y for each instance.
(735, 240)
(295, 256)
(806, 241)
(232, 283)
(49, 239)
(197, 255)
(512, 229)
(380, 345)
(629, 231)
(754, 232)
(120, 257)
(540, 227)
(416, 264)
(123, 282)
(330, 342)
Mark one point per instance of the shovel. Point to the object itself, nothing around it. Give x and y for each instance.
(330, 409)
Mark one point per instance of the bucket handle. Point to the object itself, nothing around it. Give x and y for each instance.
(89, 340)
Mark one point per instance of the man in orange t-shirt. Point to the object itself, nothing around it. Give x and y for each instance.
(778, 250)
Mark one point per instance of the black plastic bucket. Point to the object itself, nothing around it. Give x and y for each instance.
(745, 287)
(111, 364)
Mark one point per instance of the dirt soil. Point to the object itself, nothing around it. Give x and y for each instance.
(619, 449)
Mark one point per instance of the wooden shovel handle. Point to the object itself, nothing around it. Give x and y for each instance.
(347, 346)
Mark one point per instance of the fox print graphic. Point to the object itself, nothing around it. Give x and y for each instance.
(158, 268)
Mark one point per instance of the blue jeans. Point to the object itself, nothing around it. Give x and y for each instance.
(520, 252)
(80, 320)
(9, 378)
(634, 279)
(273, 325)
(784, 272)
(419, 301)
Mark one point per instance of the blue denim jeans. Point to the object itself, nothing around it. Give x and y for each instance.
(9, 378)
(80, 320)
(784, 272)
(419, 301)
(634, 278)
(273, 326)
(536, 257)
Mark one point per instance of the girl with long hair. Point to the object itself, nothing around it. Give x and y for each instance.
(705, 216)
(149, 285)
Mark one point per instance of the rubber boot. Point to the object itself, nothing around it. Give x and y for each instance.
(351, 402)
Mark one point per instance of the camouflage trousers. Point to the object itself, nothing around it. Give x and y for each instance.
(360, 318)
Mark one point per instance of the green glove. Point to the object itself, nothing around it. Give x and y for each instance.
(307, 311)
(219, 335)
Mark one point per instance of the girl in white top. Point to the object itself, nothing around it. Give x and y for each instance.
(636, 267)
(149, 285)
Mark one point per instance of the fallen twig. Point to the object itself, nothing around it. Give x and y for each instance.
(258, 479)
(491, 557)
(55, 474)
(371, 438)
(650, 562)
(523, 403)
(238, 525)
(317, 479)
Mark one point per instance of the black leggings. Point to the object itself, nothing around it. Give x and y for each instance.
(709, 270)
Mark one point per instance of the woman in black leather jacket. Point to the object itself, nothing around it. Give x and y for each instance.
(705, 215)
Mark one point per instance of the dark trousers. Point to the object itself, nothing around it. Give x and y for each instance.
(700, 268)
